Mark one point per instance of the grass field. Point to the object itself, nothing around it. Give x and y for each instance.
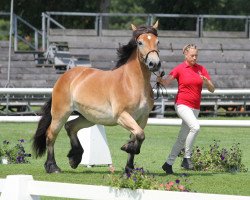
(157, 145)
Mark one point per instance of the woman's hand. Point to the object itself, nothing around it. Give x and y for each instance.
(208, 83)
(165, 81)
(159, 79)
(205, 80)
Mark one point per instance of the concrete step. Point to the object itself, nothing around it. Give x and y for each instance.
(28, 70)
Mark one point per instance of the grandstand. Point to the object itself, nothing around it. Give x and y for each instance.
(225, 55)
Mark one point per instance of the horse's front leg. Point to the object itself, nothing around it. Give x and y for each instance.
(137, 136)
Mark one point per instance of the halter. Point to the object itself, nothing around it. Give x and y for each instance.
(145, 59)
(157, 51)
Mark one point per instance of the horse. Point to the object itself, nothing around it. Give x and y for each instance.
(120, 96)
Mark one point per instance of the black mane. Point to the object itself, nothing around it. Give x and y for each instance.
(125, 51)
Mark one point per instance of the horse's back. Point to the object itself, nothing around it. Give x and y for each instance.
(69, 76)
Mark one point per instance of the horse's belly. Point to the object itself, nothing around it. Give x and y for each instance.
(98, 116)
(102, 119)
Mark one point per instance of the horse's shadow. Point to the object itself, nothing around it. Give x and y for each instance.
(104, 171)
(91, 171)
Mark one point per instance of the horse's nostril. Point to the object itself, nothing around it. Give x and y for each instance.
(159, 65)
(151, 64)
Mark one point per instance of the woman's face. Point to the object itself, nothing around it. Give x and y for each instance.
(191, 56)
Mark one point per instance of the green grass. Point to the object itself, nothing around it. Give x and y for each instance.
(157, 145)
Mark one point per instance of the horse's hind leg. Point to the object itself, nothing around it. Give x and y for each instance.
(76, 151)
(52, 133)
(130, 163)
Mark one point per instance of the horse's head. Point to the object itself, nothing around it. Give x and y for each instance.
(147, 43)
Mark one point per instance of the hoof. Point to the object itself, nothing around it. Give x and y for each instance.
(131, 148)
(128, 169)
(75, 157)
(51, 167)
(74, 161)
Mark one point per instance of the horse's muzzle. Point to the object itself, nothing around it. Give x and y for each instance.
(154, 67)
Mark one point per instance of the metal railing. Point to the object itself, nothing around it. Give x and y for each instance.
(212, 104)
(199, 30)
(36, 34)
(219, 98)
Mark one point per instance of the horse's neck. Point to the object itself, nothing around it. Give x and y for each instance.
(137, 70)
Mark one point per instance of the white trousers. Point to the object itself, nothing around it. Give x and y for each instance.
(188, 132)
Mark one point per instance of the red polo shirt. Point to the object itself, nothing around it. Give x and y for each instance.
(189, 84)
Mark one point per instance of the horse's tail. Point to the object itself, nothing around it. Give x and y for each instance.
(39, 139)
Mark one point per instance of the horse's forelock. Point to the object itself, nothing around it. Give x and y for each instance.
(144, 29)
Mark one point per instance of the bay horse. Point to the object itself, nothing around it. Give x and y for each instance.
(122, 96)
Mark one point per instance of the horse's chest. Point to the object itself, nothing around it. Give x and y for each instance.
(143, 108)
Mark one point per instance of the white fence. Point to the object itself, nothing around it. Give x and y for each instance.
(151, 121)
(23, 187)
(169, 91)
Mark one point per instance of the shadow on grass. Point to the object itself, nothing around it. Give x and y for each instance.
(188, 174)
(94, 170)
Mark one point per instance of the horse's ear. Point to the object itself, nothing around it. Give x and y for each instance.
(133, 27)
(155, 26)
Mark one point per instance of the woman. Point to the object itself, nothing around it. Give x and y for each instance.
(191, 77)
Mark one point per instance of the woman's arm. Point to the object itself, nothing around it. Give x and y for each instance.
(165, 81)
(208, 83)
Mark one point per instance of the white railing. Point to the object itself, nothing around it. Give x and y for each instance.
(151, 121)
(216, 101)
(168, 91)
(25, 91)
(23, 187)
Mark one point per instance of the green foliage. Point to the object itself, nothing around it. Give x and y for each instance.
(218, 159)
(124, 22)
(14, 153)
(4, 29)
(129, 6)
(4, 25)
(31, 10)
(140, 179)
(137, 179)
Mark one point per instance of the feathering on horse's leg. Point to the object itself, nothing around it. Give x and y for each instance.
(52, 133)
(76, 151)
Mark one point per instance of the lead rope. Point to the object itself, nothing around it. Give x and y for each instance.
(159, 86)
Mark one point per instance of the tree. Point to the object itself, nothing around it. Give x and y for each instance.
(31, 10)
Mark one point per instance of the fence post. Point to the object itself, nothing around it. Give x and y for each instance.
(247, 27)
(199, 26)
(16, 188)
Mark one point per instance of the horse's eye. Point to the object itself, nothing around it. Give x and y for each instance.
(139, 43)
